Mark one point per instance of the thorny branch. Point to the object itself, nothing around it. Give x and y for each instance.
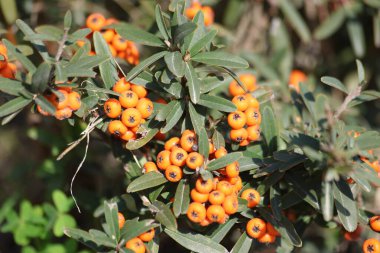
(351, 96)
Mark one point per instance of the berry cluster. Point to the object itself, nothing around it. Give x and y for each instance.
(263, 231)
(129, 111)
(7, 69)
(119, 46)
(207, 11)
(136, 244)
(65, 101)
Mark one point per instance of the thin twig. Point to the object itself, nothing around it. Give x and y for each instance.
(61, 44)
(351, 96)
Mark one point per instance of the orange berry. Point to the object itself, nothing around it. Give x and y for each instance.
(267, 238)
(252, 101)
(224, 187)
(236, 120)
(232, 170)
(215, 213)
(119, 43)
(374, 223)
(189, 141)
(171, 143)
(145, 107)
(108, 35)
(238, 185)
(163, 159)
(244, 143)
(216, 197)
(232, 180)
(256, 228)
(148, 235)
(128, 99)
(230, 205)
(371, 246)
(111, 21)
(173, 173)
(271, 230)
(62, 102)
(74, 101)
(3, 49)
(116, 127)
(41, 111)
(139, 90)
(211, 148)
(194, 160)
(296, 77)
(64, 113)
(178, 156)
(196, 212)
(198, 197)
(149, 166)
(252, 196)
(215, 182)
(253, 133)
(220, 152)
(208, 15)
(121, 220)
(238, 135)
(241, 102)
(253, 116)
(203, 186)
(136, 245)
(95, 21)
(4, 62)
(353, 236)
(249, 82)
(131, 117)
(121, 85)
(8, 71)
(112, 108)
(205, 223)
(128, 135)
(113, 51)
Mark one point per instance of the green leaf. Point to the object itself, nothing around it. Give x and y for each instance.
(222, 230)
(197, 120)
(13, 87)
(333, 82)
(108, 69)
(224, 161)
(144, 64)
(134, 228)
(110, 212)
(146, 181)
(161, 23)
(164, 215)
(360, 69)
(63, 221)
(68, 20)
(288, 231)
(131, 32)
(41, 78)
(38, 44)
(218, 140)
(357, 37)
(295, 19)
(330, 25)
(83, 237)
(181, 198)
(303, 190)
(270, 130)
(9, 10)
(152, 130)
(275, 202)
(15, 52)
(217, 103)
(193, 83)
(345, 205)
(327, 200)
(365, 96)
(222, 59)
(203, 144)
(243, 244)
(173, 116)
(196, 242)
(203, 42)
(62, 203)
(368, 140)
(45, 104)
(175, 63)
(247, 163)
(213, 82)
(13, 105)
(182, 31)
(102, 238)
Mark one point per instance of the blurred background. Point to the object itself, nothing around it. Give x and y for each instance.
(318, 37)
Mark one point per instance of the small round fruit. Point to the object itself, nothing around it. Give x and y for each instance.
(374, 223)
(116, 127)
(131, 117)
(139, 90)
(149, 166)
(136, 245)
(203, 186)
(215, 213)
(253, 117)
(252, 196)
(145, 107)
(128, 99)
(216, 197)
(178, 156)
(232, 170)
(163, 159)
(371, 246)
(119, 43)
(241, 102)
(121, 220)
(112, 108)
(224, 187)
(95, 21)
(239, 135)
(194, 160)
(62, 101)
(171, 143)
(196, 212)
(64, 113)
(267, 238)
(256, 228)
(188, 141)
(253, 133)
(148, 235)
(271, 230)
(220, 152)
(237, 119)
(121, 85)
(74, 101)
(230, 205)
(128, 135)
(198, 197)
(173, 173)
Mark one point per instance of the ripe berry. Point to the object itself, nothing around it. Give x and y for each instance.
(64, 113)
(171, 143)
(232, 170)
(216, 197)
(128, 99)
(374, 223)
(220, 152)
(238, 135)
(148, 235)
(215, 213)
(252, 196)
(188, 141)
(139, 90)
(203, 186)
(116, 127)
(267, 238)
(121, 220)
(224, 187)
(256, 228)
(173, 173)
(237, 120)
(74, 101)
(149, 166)
(136, 245)
(178, 156)
(198, 197)
(121, 85)
(194, 160)
(241, 102)
(196, 212)
(95, 21)
(131, 117)
(119, 43)
(145, 107)
(371, 246)
(253, 117)
(230, 204)
(163, 159)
